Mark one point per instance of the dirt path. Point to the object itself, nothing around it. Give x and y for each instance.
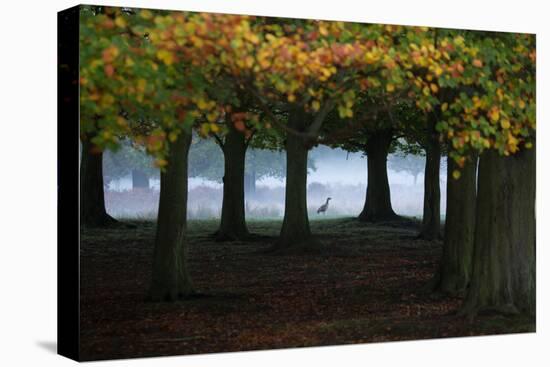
(366, 286)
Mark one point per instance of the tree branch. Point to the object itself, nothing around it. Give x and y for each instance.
(218, 140)
(247, 142)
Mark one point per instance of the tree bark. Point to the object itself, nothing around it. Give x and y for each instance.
(456, 263)
(170, 278)
(139, 180)
(503, 278)
(378, 201)
(431, 218)
(233, 222)
(92, 196)
(295, 233)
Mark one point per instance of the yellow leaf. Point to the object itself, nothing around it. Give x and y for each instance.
(444, 106)
(120, 22)
(456, 174)
(249, 61)
(390, 87)
(121, 121)
(315, 105)
(161, 162)
(494, 114)
(434, 87)
(291, 98)
(205, 129)
(172, 136)
(505, 123)
(214, 128)
(146, 14)
(202, 104)
(212, 117)
(254, 39)
(142, 83)
(529, 145)
(166, 56)
(426, 91)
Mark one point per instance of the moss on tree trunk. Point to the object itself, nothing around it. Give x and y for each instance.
(378, 200)
(456, 263)
(92, 196)
(503, 277)
(170, 278)
(233, 222)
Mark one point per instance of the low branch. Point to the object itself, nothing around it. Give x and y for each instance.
(218, 140)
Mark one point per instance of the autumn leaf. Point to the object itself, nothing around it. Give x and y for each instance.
(477, 63)
(239, 125)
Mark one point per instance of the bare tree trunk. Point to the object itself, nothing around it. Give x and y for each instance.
(233, 222)
(378, 200)
(503, 277)
(456, 263)
(92, 196)
(170, 279)
(431, 218)
(295, 232)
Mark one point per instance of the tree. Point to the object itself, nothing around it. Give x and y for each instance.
(407, 162)
(312, 80)
(171, 280)
(233, 224)
(475, 91)
(490, 110)
(431, 218)
(120, 58)
(129, 159)
(373, 135)
(92, 196)
(503, 277)
(455, 270)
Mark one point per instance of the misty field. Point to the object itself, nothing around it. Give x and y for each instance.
(366, 284)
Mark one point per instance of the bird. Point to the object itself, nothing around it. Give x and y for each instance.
(323, 208)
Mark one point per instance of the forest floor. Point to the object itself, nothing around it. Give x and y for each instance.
(367, 285)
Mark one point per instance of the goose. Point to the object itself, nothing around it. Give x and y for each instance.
(323, 208)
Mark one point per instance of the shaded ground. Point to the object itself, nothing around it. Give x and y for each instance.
(366, 286)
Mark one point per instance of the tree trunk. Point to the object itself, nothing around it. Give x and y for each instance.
(92, 196)
(295, 233)
(456, 263)
(139, 180)
(378, 201)
(431, 218)
(233, 223)
(170, 279)
(250, 182)
(503, 277)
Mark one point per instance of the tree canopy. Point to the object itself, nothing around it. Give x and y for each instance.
(148, 74)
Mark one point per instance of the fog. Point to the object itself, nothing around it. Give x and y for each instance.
(334, 173)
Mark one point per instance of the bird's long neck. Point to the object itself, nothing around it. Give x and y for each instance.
(327, 202)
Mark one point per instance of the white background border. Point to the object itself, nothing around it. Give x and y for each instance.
(28, 182)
